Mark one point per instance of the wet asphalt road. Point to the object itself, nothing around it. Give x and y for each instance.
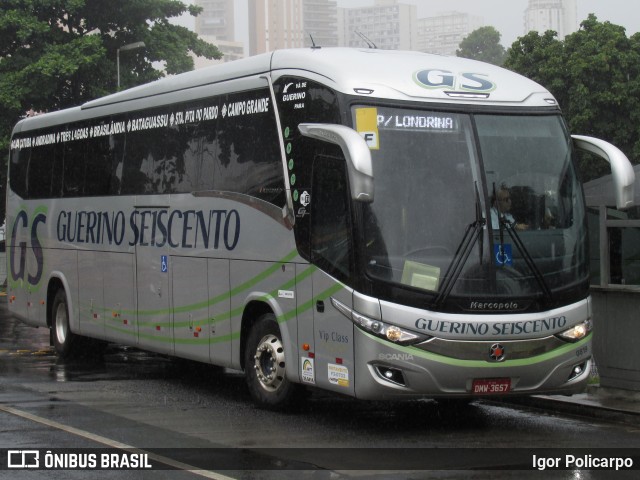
(128, 398)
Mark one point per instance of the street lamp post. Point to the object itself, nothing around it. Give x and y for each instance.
(130, 46)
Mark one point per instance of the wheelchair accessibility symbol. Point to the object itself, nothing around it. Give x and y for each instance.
(503, 254)
(164, 266)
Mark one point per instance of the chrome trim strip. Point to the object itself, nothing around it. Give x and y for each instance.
(342, 308)
(468, 350)
(267, 208)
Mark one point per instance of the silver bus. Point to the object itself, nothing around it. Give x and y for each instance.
(380, 224)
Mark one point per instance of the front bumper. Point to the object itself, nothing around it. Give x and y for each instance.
(385, 370)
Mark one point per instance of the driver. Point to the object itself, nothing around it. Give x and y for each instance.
(501, 208)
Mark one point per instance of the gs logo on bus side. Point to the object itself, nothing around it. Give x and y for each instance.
(465, 81)
(18, 251)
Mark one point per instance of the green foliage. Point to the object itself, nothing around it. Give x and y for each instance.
(60, 53)
(594, 74)
(482, 44)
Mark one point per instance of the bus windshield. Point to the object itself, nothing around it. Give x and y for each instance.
(472, 206)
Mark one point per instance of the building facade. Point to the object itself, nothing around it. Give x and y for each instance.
(560, 16)
(275, 24)
(320, 18)
(443, 33)
(216, 20)
(387, 25)
(216, 25)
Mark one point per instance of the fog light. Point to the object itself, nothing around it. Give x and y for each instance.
(392, 375)
(577, 370)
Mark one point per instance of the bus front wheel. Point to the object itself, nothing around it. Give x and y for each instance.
(265, 365)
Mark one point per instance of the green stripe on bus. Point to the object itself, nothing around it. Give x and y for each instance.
(311, 303)
(240, 288)
(237, 311)
(234, 335)
(211, 301)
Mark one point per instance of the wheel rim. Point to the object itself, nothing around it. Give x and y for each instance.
(62, 325)
(269, 363)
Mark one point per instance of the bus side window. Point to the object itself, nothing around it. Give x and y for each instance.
(143, 169)
(18, 171)
(116, 146)
(248, 156)
(40, 171)
(57, 176)
(191, 157)
(97, 180)
(331, 245)
(74, 169)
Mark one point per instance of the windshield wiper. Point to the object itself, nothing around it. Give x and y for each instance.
(513, 233)
(473, 231)
(503, 224)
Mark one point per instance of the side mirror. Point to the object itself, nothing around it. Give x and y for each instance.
(621, 170)
(355, 150)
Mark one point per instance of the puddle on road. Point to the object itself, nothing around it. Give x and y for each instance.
(25, 351)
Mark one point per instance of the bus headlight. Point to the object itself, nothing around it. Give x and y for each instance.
(577, 332)
(379, 328)
(394, 334)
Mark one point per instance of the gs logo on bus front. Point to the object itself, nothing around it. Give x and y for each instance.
(23, 228)
(465, 81)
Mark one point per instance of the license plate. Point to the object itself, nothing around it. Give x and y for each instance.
(491, 386)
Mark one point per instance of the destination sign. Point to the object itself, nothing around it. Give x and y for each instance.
(418, 122)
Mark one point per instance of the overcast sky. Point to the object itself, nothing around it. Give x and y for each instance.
(507, 16)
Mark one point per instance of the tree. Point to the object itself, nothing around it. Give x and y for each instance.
(595, 76)
(483, 44)
(60, 53)
(538, 57)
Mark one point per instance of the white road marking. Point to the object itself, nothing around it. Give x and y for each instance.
(114, 444)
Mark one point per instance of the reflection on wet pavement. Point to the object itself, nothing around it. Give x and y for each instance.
(25, 350)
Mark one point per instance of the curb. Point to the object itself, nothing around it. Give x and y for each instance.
(575, 407)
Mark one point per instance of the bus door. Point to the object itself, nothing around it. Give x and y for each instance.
(331, 251)
(333, 335)
(153, 267)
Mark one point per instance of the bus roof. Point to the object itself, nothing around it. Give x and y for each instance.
(398, 75)
(406, 75)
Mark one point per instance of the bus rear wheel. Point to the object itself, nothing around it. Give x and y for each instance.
(265, 366)
(67, 343)
(61, 334)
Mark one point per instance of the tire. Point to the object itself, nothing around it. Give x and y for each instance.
(264, 366)
(68, 344)
(62, 336)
